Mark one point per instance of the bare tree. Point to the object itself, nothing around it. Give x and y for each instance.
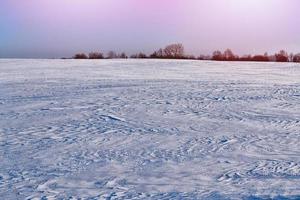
(139, 55)
(217, 55)
(228, 55)
(123, 56)
(260, 58)
(142, 55)
(204, 57)
(174, 51)
(80, 56)
(246, 58)
(134, 56)
(282, 56)
(95, 55)
(296, 58)
(112, 55)
(157, 54)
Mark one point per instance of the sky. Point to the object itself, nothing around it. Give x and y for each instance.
(60, 28)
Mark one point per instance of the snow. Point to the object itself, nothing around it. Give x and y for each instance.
(149, 129)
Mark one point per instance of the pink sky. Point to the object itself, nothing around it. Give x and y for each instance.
(46, 28)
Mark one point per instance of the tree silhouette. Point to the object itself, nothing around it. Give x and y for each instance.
(296, 58)
(96, 55)
(157, 54)
(217, 55)
(260, 58)
(174, 51)
(139, 55)
(228, 55)
(111, 55)
(80, 56)
(123, 56)
(246, 58)
(282, 56)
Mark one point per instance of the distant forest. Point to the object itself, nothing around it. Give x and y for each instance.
(176, 51)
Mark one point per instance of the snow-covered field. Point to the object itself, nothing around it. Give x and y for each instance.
(149, 129)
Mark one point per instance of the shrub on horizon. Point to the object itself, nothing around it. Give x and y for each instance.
(229, 55)
(111, 55)
(80, 56)
(123, 56)
(139, 55)
(96, 55)
(217, 55)
(282, 56)
(261, 58)
(296, 58)
(157, 54)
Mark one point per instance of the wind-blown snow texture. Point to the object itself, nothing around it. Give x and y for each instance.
(149, 129)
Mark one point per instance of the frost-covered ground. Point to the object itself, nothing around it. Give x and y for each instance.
(148, 129)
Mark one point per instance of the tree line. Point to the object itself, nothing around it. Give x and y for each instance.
(176, 51)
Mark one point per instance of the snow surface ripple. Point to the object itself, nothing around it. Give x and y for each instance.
(149, 129)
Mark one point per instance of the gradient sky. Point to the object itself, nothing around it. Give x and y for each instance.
(56, 28)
